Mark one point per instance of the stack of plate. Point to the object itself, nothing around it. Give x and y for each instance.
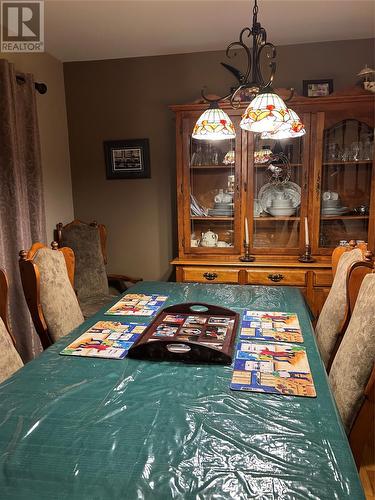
(281, 207)
(333, 207)
(221, 210)
(280, 199)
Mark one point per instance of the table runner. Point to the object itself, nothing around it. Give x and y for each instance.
(87, 428)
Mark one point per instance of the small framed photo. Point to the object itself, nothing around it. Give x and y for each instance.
(317, 88)
(127, 159)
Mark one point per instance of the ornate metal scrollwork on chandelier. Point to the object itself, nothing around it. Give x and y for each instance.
(267, 113)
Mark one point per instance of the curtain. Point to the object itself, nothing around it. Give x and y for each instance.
(22, 218)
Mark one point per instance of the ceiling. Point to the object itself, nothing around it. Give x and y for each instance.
(92, 30)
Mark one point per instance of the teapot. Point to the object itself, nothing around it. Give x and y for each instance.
(209, 239)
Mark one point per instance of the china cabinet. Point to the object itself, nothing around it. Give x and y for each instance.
(322, 184)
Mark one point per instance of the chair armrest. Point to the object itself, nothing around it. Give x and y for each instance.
(118, 281)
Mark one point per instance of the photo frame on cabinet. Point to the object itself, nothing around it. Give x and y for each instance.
(127, 159)
(317, 88)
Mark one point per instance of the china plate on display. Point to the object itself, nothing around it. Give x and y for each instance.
(257, 208)
(335, 211)
(270, 192)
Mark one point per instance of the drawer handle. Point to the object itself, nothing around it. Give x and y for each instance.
(276, 277)
(210, 276)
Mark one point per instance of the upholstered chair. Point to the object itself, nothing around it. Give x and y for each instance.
(91, 282)
(354, 361)
(47, 278)
(333, 314)
(10, 360)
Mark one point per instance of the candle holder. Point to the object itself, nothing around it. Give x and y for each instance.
(306, 257)
(247, 257)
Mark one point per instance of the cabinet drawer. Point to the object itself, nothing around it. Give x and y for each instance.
(276, 277)
(210, 274)
(323, 278)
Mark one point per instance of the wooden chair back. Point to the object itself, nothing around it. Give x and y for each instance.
(101, 228)
(355, 274)
(4, 287)
(118, 282)
(362, 433)
(10, 360)
(30, 278)
(338, 251)
(4, 298)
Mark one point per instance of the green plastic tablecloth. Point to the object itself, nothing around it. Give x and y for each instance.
(86, 428)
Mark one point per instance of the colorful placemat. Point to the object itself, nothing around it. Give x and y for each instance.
(137, 304)
(106, 339)
(272, 368)
(264, 325)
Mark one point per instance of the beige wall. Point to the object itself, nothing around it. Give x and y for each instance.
(129, 98)
(53, 135)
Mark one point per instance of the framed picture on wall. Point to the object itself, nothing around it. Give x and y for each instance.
(127, 159)
(317, 88)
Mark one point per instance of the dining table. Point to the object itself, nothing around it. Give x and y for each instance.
(89, 428)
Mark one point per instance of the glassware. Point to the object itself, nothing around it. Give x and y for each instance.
(367, 149)
(355, 151)
(215, 158)
(346, 154)
(333, 152)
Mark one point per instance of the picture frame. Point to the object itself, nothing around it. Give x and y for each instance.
(317, 88)
(127, 159)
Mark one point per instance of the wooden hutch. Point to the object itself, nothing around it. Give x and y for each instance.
(334, 158)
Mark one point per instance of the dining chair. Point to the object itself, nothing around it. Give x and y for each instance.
(93, 286)
(47, 277)
(10, 360)
(334, 315)
(352, 374)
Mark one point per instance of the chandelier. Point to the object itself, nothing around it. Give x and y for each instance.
(267, 113)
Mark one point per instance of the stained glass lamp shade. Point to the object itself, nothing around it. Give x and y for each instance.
(213, 125)
(265, 113)
(291, 128)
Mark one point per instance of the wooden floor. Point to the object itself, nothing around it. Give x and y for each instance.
(367, 471)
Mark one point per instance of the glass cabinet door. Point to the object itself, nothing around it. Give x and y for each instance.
(212, 173)
(345, 181)
(279, 193)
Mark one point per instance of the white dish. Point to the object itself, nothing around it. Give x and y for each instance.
(330, 195)
(270, 192)
(282, 203)
(257, 208)
(335, 211)
(331, 204)
(281, 212)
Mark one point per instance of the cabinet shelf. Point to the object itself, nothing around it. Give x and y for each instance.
(209, 167)
(263, 165)
(224, 218)
(262, 219)
(351, 163)
(344, 217)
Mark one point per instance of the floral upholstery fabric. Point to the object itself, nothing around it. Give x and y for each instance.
(333, 311)
(91, 305)
(90, 277)
(354, 360)
(58, 299)
(10, 360)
